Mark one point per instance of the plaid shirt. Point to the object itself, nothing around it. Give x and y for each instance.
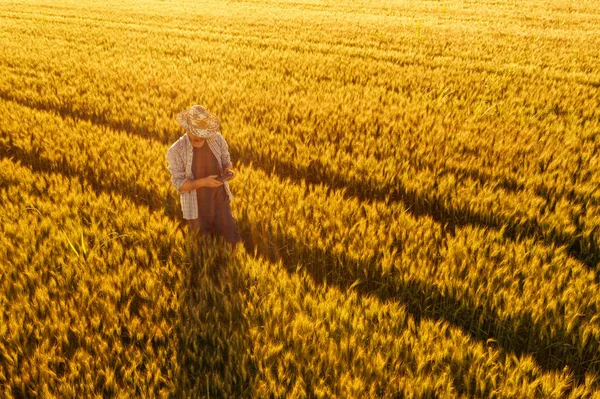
(179, 158)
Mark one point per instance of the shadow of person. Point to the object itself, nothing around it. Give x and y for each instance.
(213, 347)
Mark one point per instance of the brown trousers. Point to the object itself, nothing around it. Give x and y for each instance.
(216, 218)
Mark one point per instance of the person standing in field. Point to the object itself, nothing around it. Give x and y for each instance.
(197, 161)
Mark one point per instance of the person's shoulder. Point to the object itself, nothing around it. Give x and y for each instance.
(177, 146)
(219, 137)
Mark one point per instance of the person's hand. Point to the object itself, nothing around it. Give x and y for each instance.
(211, 181)
(231, 170)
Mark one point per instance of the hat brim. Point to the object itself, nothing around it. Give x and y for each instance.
(211, 125)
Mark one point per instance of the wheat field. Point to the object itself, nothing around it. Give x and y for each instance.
(417, 191)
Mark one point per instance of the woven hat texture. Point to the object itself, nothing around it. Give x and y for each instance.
(199, 121)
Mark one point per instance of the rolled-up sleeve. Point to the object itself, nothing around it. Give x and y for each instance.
(225, 157)
(176, 167)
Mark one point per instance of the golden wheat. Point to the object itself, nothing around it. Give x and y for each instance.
(417, 191)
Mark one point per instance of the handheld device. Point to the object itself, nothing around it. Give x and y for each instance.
(226, 177)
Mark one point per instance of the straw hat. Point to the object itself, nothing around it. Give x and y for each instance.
(199, 121)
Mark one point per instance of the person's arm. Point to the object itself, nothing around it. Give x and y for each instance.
(178, 179)
(225, 157)
(189, 185)
(177, 169)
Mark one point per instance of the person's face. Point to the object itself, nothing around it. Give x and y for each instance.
(196, 141)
